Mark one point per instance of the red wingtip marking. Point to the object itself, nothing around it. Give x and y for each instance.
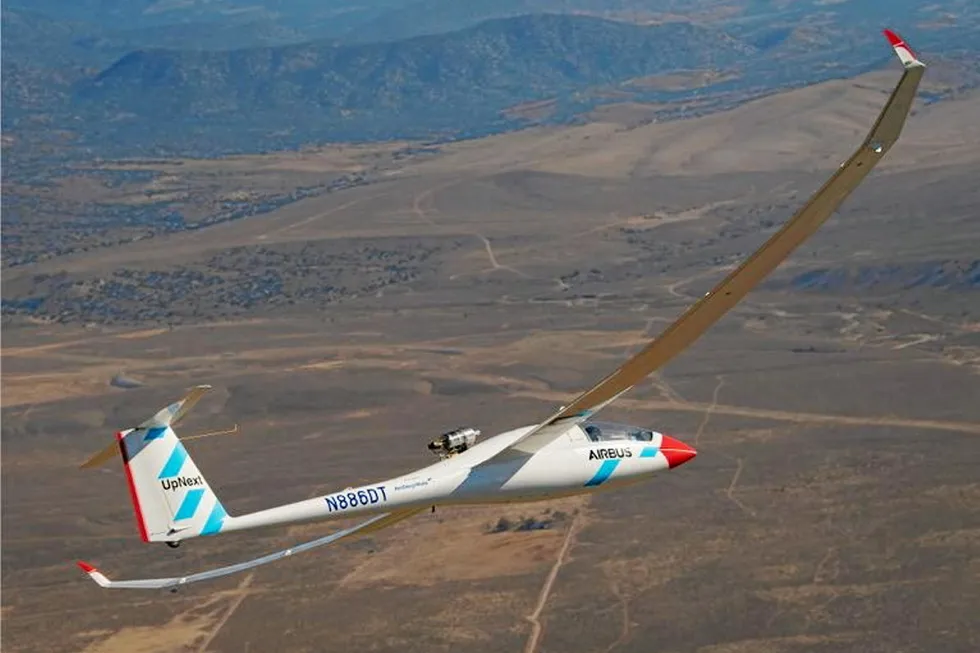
(897, 41)
(892, 37)
(86, 567)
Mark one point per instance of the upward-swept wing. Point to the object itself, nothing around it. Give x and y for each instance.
(371, 525)
(710, 308)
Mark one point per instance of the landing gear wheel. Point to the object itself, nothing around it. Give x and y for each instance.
(173, 545)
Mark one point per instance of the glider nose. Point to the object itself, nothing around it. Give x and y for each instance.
(675, 451)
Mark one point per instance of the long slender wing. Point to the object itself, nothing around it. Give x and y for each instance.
(710, 308)
(371, 525)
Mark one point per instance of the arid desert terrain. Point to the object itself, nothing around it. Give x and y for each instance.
(834, 504)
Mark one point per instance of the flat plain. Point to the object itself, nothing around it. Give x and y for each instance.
(834, 503)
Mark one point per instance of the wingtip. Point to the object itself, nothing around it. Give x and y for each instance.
(94, 573)
(86, 567)
(905, 54)
(892, 37)
(102, 457)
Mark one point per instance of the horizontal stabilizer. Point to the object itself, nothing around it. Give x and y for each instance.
(168, 416)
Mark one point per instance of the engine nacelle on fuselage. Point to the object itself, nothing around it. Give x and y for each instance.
(455, 441)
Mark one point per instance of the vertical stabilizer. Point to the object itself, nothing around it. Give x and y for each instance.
(171, 497)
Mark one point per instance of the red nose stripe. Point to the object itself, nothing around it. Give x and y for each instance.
(676, 452)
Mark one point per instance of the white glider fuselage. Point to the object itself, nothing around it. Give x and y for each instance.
(571, 464)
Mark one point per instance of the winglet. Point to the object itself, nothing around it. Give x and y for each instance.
(904, 52)
(94, 573)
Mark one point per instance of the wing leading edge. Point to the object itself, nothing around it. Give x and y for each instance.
(709, 309)
(371, 525)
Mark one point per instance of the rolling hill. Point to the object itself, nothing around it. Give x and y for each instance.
(431, 85)
(156, 78)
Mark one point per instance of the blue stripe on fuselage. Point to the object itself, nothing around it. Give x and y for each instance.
(649, 452)
(605, 471)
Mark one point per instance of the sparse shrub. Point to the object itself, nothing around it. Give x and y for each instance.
(503, 525)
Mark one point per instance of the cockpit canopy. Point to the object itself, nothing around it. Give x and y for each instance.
(611, 431)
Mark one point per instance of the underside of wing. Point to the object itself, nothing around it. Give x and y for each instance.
(369, 526)
(723, 297)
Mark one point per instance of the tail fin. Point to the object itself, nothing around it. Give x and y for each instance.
(171, 497)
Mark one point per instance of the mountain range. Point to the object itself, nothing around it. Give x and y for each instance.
(420, 86)
(195, 77)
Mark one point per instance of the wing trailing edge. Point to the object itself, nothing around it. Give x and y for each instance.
(174, 583)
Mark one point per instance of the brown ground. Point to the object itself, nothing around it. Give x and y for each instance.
(834, 504)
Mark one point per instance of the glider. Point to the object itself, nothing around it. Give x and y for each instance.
(568, 453)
